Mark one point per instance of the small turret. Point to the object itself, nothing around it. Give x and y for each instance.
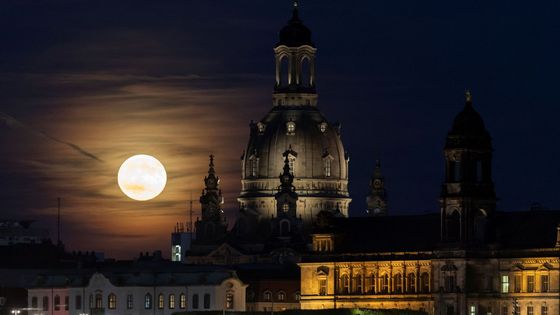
(377, 198)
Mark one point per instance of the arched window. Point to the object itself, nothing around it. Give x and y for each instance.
(229, 301)
(182, 301)
(195, 301)
(45, 303)
(297, 296)
(57, 303)
(357, 285)
(327, 162)
(480, 225)
(161, 301)
(281, 296)
(112, 301)
(148, 301)
(425, 282)
(398, 283)
(254, 166)
(385, 283)
(206, 301)
(454, 226)
(98, 301)
(305, 72)
(370, 284)
(267, 296)
(345, 284)
(411, 283)
(284, 71)
(171, 301)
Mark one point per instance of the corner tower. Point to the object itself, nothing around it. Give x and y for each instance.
(468, 199)
(295, 129)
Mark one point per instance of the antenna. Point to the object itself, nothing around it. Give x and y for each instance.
(190, 214)
(58, 222)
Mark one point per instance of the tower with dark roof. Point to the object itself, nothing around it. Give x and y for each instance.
(212, 226)
(468, 199)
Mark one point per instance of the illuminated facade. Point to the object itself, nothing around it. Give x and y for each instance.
(470, 259)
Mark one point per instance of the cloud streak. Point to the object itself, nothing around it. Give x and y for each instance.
(14, 123)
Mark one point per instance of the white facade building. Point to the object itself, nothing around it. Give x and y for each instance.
(137, 293)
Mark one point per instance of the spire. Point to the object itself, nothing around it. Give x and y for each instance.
(211, 181)
(286, 178)
(377, 171)
(295, 13)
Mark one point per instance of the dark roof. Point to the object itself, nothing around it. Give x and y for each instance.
(527, 229)
(468, 130)
(388, 233)
(295, 34)
(416, 233)
(168, 274)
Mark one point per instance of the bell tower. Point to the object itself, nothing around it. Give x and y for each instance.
(295, 65)
(377, 198)
(468, 199)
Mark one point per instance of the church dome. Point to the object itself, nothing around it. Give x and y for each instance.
(468, 128)
(295, 33)
(317, 158)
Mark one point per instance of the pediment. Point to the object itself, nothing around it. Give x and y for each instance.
(225, 250)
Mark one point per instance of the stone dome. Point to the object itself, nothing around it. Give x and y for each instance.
(319, 162)
(468, 129)
(295, 33)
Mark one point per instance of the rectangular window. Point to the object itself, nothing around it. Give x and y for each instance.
(323, 287)
(229, 301)
(195, 301)
(450, 309)
(505, 310)
(457, 171)
(530, 283)
(78, 302)
(45, 303)
(517, 283)
(472, 310)
(529, 310)
(206, 301)
(449, 283)
(57, 303)
(544, 310)
(544, 283)
(160, 301)
(34, 302)
(66, 302)
(129, 302)
(505, 284)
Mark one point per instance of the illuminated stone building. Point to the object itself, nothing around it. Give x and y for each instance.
(469, 259)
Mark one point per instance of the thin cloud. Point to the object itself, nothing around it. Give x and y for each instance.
(14, 123)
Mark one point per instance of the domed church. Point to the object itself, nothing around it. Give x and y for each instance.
(295, 129)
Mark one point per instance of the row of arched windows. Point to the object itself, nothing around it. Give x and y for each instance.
(304, 74)
(384, 284)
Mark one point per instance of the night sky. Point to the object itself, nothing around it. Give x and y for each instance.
(86, 84)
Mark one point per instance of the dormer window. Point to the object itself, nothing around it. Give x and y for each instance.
(290, 128)
(261, 127)
(323, 127)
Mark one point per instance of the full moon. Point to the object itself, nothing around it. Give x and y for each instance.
(142, 177)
